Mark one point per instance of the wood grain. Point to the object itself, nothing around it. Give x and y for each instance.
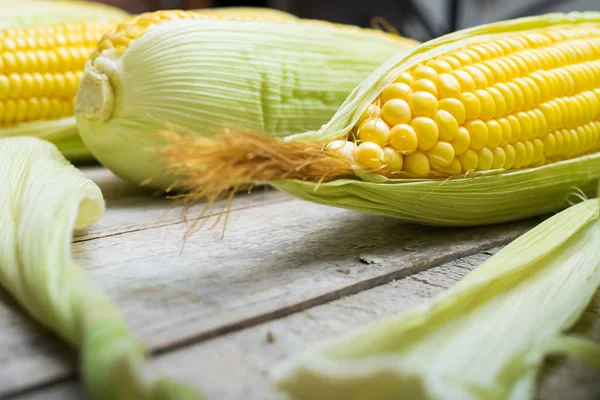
(279, 256)
(237, 365)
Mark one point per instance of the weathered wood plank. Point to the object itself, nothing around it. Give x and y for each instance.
(131, 208)
(237, 365)
(277, 258)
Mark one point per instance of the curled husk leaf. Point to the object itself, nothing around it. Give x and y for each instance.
(44, 199)
(29, 13)
(485, 338)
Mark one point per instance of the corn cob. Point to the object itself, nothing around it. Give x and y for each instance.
(40, 70)
(30, 13)
(277, 77)
(515, 102)
(485, 125)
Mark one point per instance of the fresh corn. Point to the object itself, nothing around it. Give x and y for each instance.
(490, 124)
(30, 13)
(211, 74)
(520, 101)
(40, 70)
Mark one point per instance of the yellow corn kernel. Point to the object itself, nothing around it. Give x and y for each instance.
(4, 87)
(510, 154)
(396, 111)
(424, 72)
(499, 155)
(488, 107)
(468, 160)
(549, 145)
(486, 159)
(423, 104)
(461, 141)
(520, 154)
(440, 66)
(447, 125)
(494, 134)
(466, 82)
(506, 131)
(538, 150)
(455, 108)
(369, 155)
(478, 132)
(405, 78)
(392, 159)
(343, 147)
(373, 111)
(418, 164)
(517, 94)
(404, 139)
(526, 126)
(427, 132)
(471, 105)
(374, 130)
(441, 154)
(479, 78)
(425, 85)
(454, 169)
(396, 90)
(448, 86)
(528, 154)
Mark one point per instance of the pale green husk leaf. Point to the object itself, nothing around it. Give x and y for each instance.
(44, 199)
(62, 133)
(474, 199)
(27, 13)
(483, 339)
(268, 77)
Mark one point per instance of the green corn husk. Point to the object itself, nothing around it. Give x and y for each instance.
(45, 199)
(475, 199)
(27, 13)
(213, 75)
(483, 339)
(61, 132)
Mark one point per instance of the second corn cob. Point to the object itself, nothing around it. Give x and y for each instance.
(490, 124)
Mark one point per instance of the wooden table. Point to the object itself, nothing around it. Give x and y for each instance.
(219, 313)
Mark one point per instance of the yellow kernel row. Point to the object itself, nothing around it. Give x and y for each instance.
(60, 85)
(562, 144)
(496, 101)
(393, 124)
(32, 109)
(49, 37)
(61, 59)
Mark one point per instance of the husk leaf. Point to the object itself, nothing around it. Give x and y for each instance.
(27, 13)
(485, 338)
(44, 199)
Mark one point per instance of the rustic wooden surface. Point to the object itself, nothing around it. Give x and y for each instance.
(219, 313)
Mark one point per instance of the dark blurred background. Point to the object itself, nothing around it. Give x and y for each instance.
(419, 19)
